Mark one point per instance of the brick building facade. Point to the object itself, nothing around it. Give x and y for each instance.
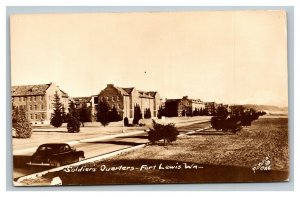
(38, 101)
(124, 100)
(183, 106)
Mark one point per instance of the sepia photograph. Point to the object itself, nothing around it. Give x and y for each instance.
(119, 98)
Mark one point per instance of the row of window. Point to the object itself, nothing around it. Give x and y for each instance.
(32, 107)
(113, 98)
(35, 107)
(117, 106)
(37, 116)
(29, 98)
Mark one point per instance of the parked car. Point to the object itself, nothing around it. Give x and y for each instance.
(55, 154)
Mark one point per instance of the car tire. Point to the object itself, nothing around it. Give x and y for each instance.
(55, 163)
(80, 158)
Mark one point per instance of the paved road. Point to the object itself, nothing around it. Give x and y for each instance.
(94, 148)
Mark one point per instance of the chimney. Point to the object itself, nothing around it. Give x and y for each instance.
(110, 85)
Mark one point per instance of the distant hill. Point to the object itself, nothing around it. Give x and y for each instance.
(268, 108)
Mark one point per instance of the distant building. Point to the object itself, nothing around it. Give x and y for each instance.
(91, 102)
(38, 101)
(80, 101)
(211, 107)
(236, 109)
(124, 100)
(183, 106)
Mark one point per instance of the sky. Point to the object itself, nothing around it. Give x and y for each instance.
(224, 56)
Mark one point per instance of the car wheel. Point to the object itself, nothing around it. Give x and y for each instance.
(58, 163)
(55, 163)
(80, 158)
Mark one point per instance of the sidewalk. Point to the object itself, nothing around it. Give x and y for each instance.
(60, 135)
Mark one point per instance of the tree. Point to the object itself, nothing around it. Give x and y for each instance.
(57, 115)
(113, 115)
(126, 122)
(85, 114)
(201, 112)
(161, 112)
(147, 113)
(21, 124)
(183, 112)
(73, 123)
(73, 111)
(64, 115)
(102, 113)
(167, 132)
(137, 114)
(222, 112)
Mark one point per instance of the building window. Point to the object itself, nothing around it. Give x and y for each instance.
(35, 116)
(43, 116)
(42, 107)
(112, 98)
(34, 98)
(30, 99)
(35, 107)
(30, 107)
(42, 98)
(20, 98)
(31, 116)
(24, 98)
(118, 98)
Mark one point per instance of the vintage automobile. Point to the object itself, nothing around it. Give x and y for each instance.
(55, 154)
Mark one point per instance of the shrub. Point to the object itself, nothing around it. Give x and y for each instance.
(147, 113)
(126, 122)
(22, 125)
(168, 133)
(137, 114)
(73, 125)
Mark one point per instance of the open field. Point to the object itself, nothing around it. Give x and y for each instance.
(203, 157)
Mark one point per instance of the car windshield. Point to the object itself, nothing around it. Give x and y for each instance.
(48, 148)
(55, 148)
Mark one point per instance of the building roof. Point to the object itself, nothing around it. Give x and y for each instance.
(29, 90)
(173, 100)
(152, 93)
(64, 94)
(124, 92)
(144, 94)
(128, 90)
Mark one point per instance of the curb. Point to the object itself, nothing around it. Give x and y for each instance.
(195, 131)
(112, 136)
(93, 159)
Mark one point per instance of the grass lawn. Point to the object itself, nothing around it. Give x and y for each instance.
(203, 157)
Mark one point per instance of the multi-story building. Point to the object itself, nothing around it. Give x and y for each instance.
(211, 107)
(183, 106)
(80, 101)
(38, 101)
(124, 100)
(197, 104)
(91, 102)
